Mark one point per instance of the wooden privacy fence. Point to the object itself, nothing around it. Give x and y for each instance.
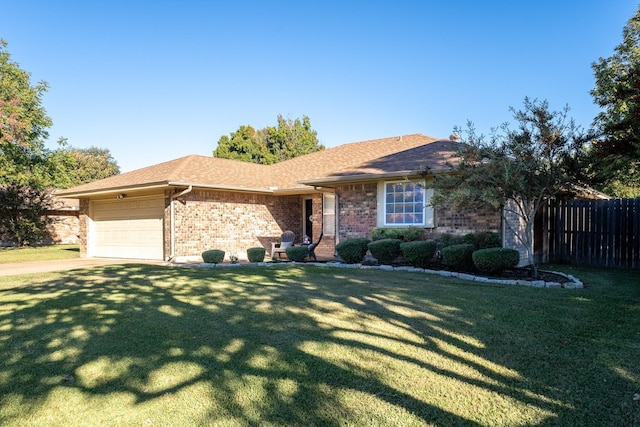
(601, 233)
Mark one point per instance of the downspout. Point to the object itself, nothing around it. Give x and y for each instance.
(173, 221)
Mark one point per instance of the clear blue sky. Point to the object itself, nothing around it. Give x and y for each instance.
(157, 80)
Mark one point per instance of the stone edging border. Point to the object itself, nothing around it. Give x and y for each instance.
(573, 282)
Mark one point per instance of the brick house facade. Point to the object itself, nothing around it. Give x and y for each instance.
(185, 206)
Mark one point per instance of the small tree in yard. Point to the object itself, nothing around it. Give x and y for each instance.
(515, 171)
(23, 212)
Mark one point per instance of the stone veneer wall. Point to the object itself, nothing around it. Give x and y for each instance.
(65, 228)
(233, 222)
(83, 225)
(357, 207)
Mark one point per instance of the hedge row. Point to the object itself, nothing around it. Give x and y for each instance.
(420, 253)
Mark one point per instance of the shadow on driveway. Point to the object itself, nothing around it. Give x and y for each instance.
(12, 269)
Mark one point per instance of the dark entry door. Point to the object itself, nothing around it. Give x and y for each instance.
(308, 218)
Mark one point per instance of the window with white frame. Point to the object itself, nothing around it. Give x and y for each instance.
(329, 214)
(404, 204)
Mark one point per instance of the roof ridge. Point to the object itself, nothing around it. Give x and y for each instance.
(183, 162)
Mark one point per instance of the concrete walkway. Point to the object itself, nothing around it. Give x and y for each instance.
(12, 269)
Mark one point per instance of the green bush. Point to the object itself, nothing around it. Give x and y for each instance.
(386, 250)
(255, 254)
(213, 256)
(495, 260)
(352, 251)
(409, 234)
(458, 257)
(450, 240)
(483, 240)
(297, 253)
(419, 254)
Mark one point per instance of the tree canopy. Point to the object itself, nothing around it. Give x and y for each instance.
(614, 161)
(28, 169)
(23, 123)
(76, 166)
(288, 139)
(515, 170)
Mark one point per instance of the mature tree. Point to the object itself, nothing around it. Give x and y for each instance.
(615, 156)
(292, 138)
(515, 171)
(288, 139)
(91, 164)
(23, 123)
(245, 145)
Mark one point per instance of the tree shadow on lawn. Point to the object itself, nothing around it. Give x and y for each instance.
(296, 346)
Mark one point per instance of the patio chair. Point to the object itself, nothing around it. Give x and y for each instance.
(312, 248)
(286, 241)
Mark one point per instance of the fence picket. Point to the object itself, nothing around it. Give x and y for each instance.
(602, 233)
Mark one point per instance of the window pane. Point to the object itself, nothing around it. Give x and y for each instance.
(404, 203)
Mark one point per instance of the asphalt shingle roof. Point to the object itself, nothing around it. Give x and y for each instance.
(375, 157)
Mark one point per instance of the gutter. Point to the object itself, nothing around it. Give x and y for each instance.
(172, 231)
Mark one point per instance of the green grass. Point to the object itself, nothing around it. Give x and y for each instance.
(305, 345)
(41, 253)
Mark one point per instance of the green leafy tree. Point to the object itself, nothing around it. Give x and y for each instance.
(292, 138)
(288, 139)
(614, 158)
(515, 171)
(245, 145)
(24, 200)
(91, 164)
(68, 166)
(23, 124)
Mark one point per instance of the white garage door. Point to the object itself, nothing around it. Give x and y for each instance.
(127, 228)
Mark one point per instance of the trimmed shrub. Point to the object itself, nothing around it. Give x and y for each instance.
(483, 240)
(419, 254)
(256, 254)
(495, 260)
(297, 253)
(450, 240)
(386, 250)
(213, 256)
(409, 234)
(352, 251)
(458, 257)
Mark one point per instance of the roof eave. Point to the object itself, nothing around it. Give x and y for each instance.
(221, 187)
(160, 185)
(110, 190)
(365, 177)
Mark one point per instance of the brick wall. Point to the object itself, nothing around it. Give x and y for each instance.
(357, 210)
(357, 207)
(233, 222)
(462, 221)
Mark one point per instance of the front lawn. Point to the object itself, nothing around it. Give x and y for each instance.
(39, 253)
(305, 345)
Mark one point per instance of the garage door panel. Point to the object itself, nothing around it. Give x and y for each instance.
(130, 228)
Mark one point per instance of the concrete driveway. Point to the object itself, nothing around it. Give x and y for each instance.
(12, 269)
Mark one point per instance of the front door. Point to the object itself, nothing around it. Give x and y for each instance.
(308, 218)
